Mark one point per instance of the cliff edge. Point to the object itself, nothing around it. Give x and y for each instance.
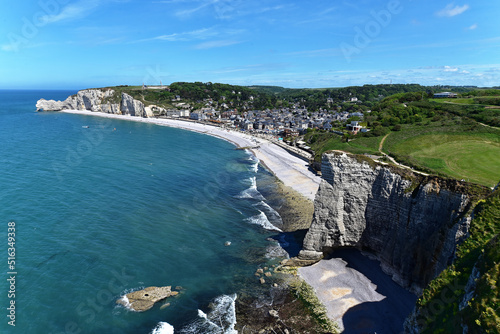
(98, 100)
(411, 223)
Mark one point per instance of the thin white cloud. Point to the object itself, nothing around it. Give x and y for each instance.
(473, 27)
(329, 52)
(188, 12)
(13, 47)
(199, 34)
(254, 69)
(450, 69)
(72, 11)
(451, 10)
(215, 44)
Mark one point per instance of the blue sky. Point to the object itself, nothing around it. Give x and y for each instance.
(93, 43)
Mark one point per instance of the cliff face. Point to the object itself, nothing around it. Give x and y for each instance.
(413, 230)
(97, 100)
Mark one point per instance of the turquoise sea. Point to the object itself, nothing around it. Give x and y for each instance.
(104, 207)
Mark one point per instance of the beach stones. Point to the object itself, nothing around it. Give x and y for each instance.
(143, 300)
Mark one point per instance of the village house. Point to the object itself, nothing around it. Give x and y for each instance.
(354, 127)
(445, 95)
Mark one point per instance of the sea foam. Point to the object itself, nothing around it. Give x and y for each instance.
(220, 320)
(272, 215)
(252, 191)
(255, 166)
(261, 219)
(163, 328)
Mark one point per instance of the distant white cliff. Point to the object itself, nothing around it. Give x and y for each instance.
(98, 100)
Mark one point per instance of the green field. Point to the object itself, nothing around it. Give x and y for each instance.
(458, 100)
(474, 157)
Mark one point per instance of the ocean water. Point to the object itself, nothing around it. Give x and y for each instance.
(104, 207)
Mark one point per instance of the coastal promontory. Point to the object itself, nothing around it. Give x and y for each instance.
(410, 222)
(98, 100)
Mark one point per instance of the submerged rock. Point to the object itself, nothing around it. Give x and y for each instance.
(143, 300)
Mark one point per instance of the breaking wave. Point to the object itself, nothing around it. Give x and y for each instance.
(255, 166)
(261, 219)
(251, 192)
(272, 215)
(163, 328)
(221, 319)
(123, 300)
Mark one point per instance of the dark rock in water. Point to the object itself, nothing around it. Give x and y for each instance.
(143, 300)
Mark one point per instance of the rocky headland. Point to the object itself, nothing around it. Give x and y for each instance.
(411, 223)
(98, 100)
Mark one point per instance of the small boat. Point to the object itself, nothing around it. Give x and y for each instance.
(85, 126)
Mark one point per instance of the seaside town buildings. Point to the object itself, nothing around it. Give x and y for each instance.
(284, 122)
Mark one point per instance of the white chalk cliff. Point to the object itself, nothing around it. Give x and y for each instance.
(411, 224)
(97, 100)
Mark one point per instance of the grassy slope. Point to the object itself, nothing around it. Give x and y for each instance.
(439, 303)
(323, 142)
(455, 150)
(456, 101)
(470, 156)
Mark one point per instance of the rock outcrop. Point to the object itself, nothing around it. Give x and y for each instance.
(143, 300)
(411, 223)
(101, 100)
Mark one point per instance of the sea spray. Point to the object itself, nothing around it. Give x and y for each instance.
(261, 219)
(255, 163)
(272, 215)
(163, 328)
(221, 318)
(251, 192)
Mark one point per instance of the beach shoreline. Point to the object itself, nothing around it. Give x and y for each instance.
(289, 169)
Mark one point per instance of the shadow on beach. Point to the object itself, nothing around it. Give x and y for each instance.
(385, 316)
